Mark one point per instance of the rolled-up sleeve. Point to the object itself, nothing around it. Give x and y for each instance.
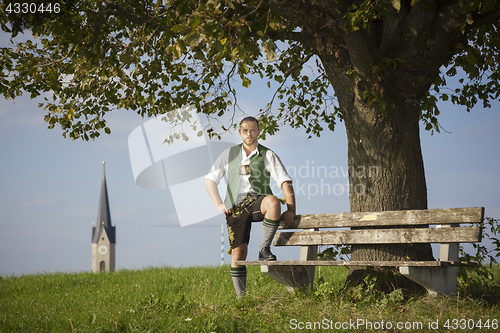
(276, 168)
(219, 168)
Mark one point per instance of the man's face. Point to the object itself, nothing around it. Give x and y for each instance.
(249, 132)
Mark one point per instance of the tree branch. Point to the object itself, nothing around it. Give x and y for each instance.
(290, 35)
(118, 10)
(289, 72)
(70, 51)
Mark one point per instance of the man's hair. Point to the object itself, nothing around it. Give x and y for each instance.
(249, 118)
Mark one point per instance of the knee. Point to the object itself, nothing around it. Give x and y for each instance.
(272, 203)
(239, 252)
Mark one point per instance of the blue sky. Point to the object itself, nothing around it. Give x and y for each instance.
(50, 187)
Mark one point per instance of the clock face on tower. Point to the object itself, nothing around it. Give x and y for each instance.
(102, 249)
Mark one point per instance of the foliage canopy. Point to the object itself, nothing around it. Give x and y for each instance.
(153, 56)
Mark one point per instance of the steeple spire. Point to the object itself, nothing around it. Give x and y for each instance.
(103, 214)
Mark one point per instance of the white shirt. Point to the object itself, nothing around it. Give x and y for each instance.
(272, 164)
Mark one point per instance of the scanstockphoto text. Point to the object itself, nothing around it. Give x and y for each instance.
(387, 325)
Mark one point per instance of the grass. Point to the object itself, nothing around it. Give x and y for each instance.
(202, 299)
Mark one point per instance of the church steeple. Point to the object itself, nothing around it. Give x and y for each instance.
(103, 214)
(103, 233)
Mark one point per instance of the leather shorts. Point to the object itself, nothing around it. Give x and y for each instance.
(240, 221)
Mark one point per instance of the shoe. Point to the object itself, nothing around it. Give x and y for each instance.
(266, 255)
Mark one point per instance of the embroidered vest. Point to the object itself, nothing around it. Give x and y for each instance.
(259, 177)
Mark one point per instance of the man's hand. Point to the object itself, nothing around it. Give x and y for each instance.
(288, 217)
(213, 192)
(222, 208)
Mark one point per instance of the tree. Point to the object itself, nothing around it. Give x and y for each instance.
(387, 62)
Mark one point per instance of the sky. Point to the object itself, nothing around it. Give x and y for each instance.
(50, 187)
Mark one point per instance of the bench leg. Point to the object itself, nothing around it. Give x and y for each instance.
(291, 276)
(295, 276)
(437, 280)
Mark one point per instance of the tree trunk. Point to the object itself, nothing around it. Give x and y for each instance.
(380, 74)
(386, 170)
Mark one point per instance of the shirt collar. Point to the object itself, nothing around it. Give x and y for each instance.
(256, 151)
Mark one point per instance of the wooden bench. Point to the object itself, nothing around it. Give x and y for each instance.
(438, 277)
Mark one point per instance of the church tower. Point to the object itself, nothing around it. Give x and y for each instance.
(103, 234)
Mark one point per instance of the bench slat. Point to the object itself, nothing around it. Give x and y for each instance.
(359, 263)
(379, 236)
(403, 217)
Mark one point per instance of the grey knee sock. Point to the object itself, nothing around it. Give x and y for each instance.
(239, 277)
(270, 227)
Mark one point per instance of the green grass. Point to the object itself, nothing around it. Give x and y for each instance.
(202, 299)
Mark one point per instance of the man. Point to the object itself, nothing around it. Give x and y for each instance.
(249, 167)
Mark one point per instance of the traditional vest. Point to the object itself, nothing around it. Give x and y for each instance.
(259, 176)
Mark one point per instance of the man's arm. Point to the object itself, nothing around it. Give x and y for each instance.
(213, 192)
(289, 215)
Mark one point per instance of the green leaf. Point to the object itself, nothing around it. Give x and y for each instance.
(193, 40)
(246, 82)
(396, 4)
(197, 19)
(271, 55)
(469, 19)
(177, 28)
